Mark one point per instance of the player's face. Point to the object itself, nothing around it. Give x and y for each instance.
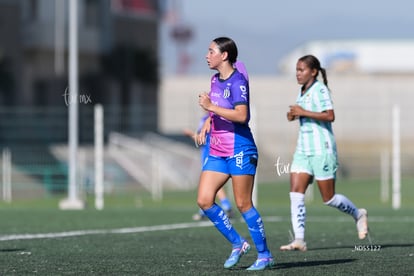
(304, 74)
(214, 57)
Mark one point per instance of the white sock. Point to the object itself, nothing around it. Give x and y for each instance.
(298, 214)
(343, 204)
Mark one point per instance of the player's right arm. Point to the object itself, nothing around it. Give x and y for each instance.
(290, 116)
(325, 116)
(201, 136)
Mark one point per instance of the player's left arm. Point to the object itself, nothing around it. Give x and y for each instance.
(201, 136)
(238, 115)
(326, 115)
(324, 112)
(240, 112)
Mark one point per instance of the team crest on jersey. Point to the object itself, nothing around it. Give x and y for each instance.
(226, 92)
(305, 99)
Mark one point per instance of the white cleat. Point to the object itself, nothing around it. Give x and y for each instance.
(362, 224)
(295, 245)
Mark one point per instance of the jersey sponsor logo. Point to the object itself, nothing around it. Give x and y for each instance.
(243, 89)
(306, 131)
(214, 140)
(346, 209)
(215, 94)
(239, 160)
(225, 220)
(301, 217)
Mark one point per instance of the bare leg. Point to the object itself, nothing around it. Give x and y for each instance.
(210, 183)
(343, 204)
(326, 188)
(299, 182)
(243, 189)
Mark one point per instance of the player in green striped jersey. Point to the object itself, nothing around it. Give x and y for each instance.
(315, 156)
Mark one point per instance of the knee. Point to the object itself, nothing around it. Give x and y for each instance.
(327, 200)
(244, 206)
(204, 203)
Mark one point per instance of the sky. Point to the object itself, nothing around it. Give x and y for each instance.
(267, 30)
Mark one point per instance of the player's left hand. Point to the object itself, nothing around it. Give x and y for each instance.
(295, 110)
(204, 101)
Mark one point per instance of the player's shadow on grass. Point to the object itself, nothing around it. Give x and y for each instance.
(346, 246)
(396, 245)
(302, 264)
(6, 250)
(313, 263)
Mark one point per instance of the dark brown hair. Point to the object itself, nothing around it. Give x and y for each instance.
(313, 63)
(226, 44)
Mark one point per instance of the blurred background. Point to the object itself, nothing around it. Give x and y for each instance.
(143, 61)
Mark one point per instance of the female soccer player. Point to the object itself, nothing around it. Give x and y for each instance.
(315, 155)
(233, 153)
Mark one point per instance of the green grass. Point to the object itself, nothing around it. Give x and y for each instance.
(333, 246)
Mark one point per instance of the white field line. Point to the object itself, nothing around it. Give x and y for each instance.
(167, 227)
(105, 231)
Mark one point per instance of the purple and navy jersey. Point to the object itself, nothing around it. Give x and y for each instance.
(229, 138)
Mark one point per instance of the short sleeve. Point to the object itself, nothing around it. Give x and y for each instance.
(240, 92)
(324, 98)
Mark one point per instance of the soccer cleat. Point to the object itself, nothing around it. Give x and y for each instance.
(262, 264)
(198, 217)
(236, 254)
(362, 224)
(294, 245)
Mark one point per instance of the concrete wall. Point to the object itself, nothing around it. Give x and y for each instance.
(363, 125)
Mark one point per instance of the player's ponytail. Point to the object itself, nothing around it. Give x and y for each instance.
(325, 79)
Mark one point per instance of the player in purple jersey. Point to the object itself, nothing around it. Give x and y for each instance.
(221, 194)
(233, 153)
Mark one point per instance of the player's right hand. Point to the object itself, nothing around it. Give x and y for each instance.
(201, 137)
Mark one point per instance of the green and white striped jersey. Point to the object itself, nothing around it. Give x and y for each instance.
(315, 137)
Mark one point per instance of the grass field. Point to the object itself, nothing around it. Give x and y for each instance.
(135, 236)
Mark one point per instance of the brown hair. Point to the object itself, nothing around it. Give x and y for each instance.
(226, 44)
(313, 63)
